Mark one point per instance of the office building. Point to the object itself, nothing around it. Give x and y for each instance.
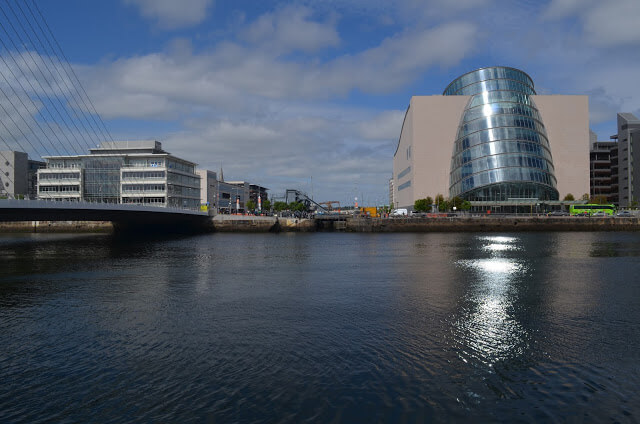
(492, 140)
(603, 161)
(14, 174)
(628, 138)
(138, 172)
(228, 196)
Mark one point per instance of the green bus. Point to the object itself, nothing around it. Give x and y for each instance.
(591, 209)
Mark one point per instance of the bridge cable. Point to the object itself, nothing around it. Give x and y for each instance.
(64, 80)
(33, 73)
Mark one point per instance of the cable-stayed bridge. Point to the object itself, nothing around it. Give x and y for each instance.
(47, 120)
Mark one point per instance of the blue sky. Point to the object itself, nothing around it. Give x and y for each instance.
(311, 94)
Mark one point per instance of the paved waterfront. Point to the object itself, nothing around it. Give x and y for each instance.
(328, 327)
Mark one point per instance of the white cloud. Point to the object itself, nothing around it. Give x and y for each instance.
(172, 14)
(291, 29)
(603, 23)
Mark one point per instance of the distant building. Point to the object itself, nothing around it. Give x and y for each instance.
(138, 172)
(228, 196)
(628, 138)
(603, 159)
(492, 140)
(14, 172)
(32, 177)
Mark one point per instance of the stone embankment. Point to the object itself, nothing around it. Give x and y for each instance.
(249, 224)
(492, 224)
(56, 227)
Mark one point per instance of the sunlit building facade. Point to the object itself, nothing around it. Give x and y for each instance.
(490, 139)
(138, 172)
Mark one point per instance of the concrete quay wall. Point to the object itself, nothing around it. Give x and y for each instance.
(56, 227)
(247, 223)
(491, 224)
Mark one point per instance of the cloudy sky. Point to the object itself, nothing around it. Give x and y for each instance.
(311, 94)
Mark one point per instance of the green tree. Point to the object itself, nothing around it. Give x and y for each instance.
(585, 197)
(456, 202)
(279, 206)
(569, 197)
(266, 205)
(250, 205)
(297, 207)
(466, 205)
(421, 205)
(598, 200)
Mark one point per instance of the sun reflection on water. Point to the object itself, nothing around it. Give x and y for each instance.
(487, 329)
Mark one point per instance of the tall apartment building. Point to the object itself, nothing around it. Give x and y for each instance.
(139, 172)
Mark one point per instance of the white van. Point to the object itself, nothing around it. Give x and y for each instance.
(399, 212)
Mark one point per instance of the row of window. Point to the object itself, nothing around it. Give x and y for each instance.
(144, 200)
(499, 161)
(506, 191)
(59, 189)
(499, 147)
(495, 134)
(494, 176)
(145, 163)
(143, 187)
(181, 166)
(183, 191)
(143, 175)
(59, 176)
(487, 74)
(500, 96)
(183, 179)
(63, 164)
(498, 121)
(493, 85)
(501, 108)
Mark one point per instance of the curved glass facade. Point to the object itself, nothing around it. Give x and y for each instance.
(501, 150)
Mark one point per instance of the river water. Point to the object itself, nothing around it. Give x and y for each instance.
(323, 327)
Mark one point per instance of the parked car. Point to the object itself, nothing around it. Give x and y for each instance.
(558, 213)
(624, 214)
(600, 215)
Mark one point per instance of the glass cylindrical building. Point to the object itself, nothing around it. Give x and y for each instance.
(501, 151)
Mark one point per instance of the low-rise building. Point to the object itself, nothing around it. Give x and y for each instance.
(228, 196)
(14, 168)
(138, 172)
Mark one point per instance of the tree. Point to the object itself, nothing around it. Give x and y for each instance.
(297, 207)
(598, 200)
(585, 197)
(422, 205)
(569, 197)
(439, 200)
(250, 205)
(266, 205)
(456, 202)
(279, 206)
